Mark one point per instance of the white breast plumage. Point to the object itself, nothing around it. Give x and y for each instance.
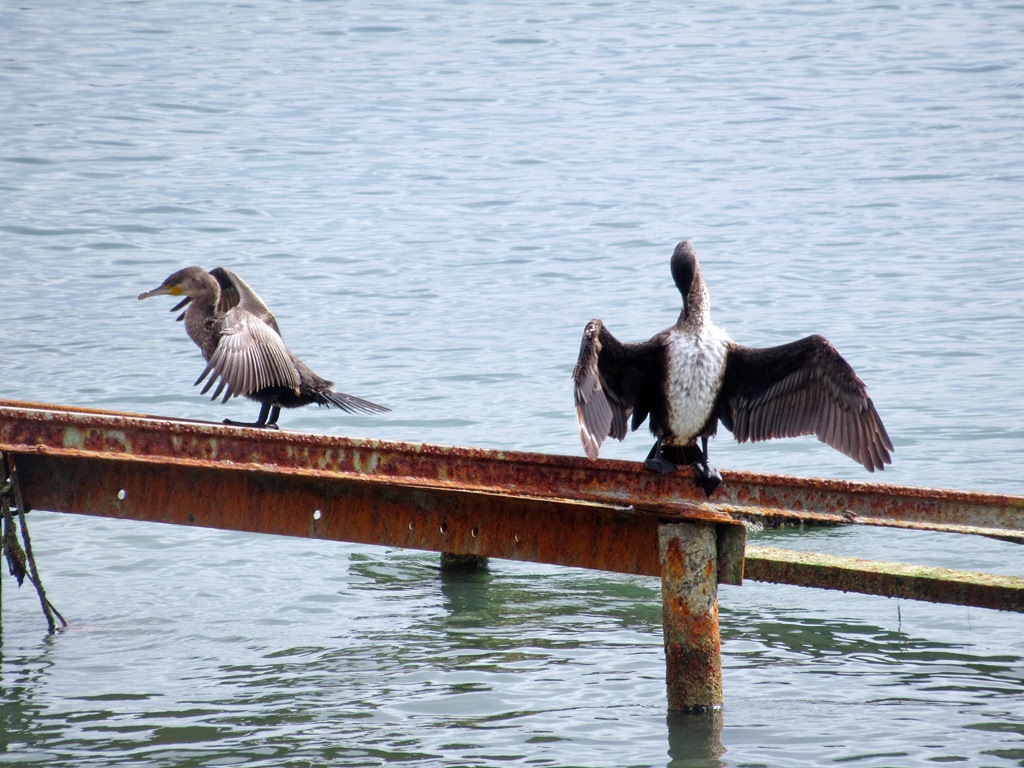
(696, 363)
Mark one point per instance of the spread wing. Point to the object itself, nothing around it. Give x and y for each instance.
(611, 380)
(250, 356)
(802, 388)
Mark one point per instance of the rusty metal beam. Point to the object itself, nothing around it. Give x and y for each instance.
(28, 427)
(914, 582)
(275, 501)
(559, 532)
(552, 509)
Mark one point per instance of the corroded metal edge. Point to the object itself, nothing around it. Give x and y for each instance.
(445, 519)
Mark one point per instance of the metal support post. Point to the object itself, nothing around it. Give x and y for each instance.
(689, 590)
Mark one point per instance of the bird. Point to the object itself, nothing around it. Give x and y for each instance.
(243, 348)
(690, 377)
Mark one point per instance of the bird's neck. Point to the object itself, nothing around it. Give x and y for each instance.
(698, 305)
(199, 320)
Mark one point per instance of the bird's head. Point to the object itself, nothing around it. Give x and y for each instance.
(191, 282)
(684, 271)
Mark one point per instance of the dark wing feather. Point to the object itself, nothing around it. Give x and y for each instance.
(610, 380)
(235, 292)
(181, 305)
(802, 388)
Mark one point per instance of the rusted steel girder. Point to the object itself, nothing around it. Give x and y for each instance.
(914, 582)
(291, 503)
(554, 509)
(743, 495)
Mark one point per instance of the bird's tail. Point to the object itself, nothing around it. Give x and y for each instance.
(349, 403)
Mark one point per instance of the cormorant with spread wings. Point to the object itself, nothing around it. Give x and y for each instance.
(242, 345)
(692, 376)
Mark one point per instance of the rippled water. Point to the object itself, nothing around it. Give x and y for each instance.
(434, 198)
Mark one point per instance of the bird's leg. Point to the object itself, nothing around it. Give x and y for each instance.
(262, 422)
(658, 463)
(275, 411)
(705, 476)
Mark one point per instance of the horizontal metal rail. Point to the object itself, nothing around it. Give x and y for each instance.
(743, 495)
(318, 505)
(554, 509)
(914, 582)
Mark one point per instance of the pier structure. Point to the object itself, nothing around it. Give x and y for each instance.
(471, 504)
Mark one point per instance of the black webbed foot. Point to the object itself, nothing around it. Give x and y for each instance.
(706, 477)
(660, 465)
(655, 462)
(266, 420)
(253, 424)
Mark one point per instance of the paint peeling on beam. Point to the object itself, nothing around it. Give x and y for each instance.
(913, 582)
(743, 496)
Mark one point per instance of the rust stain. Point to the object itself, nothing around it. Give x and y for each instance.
(560, 532)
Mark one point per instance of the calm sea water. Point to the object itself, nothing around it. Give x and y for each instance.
(434, 198)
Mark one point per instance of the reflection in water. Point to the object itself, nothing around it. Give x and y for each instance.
(478, 600)
(695, 741)
(22, 673)
(836, 648)
(468, 597)
(381, 655)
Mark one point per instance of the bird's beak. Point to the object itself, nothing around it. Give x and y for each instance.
(163, 290)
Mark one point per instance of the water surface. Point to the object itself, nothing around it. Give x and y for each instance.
(434, 198)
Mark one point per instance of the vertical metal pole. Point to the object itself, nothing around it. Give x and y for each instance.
(689, 593)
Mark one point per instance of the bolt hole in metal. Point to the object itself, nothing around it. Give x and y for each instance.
(121, 494)
(444, 527)
(475, 532)
(317, 514)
